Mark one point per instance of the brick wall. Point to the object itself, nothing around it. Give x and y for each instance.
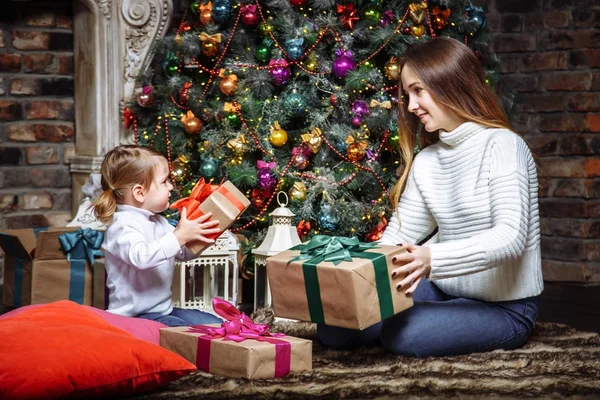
(36, 113)
(550, 54)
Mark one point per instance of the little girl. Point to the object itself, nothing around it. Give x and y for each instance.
(140, 246)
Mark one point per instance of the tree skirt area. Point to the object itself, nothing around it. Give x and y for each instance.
(556, 362)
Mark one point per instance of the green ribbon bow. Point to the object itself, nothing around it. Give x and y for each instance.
(330, 248)
(337, 249)
(86, 239)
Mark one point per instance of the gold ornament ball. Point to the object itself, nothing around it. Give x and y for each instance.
(181, 171)
(192, 125)
(312, 65)
(297, 194)
(206, 17)
(278, 137)
(355, 152)
(210, 48)
(418, 30)
(228, 86)
(392, 70)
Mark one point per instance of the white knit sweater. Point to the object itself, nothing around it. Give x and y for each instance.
(479, 186)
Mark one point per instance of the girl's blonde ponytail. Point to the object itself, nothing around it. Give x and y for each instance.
(105, 206)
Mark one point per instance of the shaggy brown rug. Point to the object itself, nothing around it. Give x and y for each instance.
(557, 362)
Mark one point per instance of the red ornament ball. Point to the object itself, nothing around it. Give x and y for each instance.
(259, 197)
(333, 100)
(298, 3)
(250, 18)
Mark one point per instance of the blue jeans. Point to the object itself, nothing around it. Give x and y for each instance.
(183, 317)
(442, 325)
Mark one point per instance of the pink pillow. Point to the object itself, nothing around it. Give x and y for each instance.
(140, 328)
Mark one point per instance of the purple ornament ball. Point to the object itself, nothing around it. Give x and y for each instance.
(360, 108)
(342, 65)
(266, 178)
(281, 75)
(356, 121)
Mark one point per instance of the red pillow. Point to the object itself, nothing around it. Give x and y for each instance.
(140, 328)
(64, 349)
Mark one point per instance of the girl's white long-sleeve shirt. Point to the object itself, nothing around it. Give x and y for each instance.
(140, 251)
(479, 186)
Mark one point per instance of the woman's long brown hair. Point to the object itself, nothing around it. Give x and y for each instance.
(452, 74)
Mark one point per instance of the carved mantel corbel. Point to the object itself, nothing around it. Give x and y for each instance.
(113, 43)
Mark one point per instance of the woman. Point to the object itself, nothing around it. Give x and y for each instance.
(476, 286)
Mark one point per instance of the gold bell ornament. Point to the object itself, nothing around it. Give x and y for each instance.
(312, 140)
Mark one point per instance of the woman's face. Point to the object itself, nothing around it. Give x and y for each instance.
(432, 114)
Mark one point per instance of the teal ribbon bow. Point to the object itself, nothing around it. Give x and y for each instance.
(330, 248)
(87, 239)
(337, 249)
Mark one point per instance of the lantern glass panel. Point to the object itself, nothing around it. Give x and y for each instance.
(260, 281)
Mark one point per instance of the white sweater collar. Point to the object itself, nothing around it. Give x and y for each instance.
(461, 133)
(131, 209)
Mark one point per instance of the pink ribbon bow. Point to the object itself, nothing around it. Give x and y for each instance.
(262, 164)
(238, 327)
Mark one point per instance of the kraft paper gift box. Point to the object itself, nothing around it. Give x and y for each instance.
(229, 351)
(62, 269)
(37, 270)
(352, 290)
(99, 290)
(226, 202)
(18, 245)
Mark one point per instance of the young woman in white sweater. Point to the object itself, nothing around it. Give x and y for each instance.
(476, 283)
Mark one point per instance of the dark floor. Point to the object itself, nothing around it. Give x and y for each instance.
(574, 304)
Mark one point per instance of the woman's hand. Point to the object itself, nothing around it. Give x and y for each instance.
(191, 230)
(415, 262)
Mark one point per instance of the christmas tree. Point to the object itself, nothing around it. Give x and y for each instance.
(292, 95)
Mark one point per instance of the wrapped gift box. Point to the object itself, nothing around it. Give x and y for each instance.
(37, 270)
(355, 293)
(227, 349)
(99, 291)
(18, 245)
(225, 202)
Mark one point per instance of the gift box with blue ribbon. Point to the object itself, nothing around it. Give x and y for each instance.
(62, 269)
(18, 246)
(336, 281)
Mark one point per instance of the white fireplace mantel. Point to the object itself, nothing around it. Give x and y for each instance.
(113, 43)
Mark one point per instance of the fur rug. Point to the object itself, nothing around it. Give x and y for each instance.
(557, 362)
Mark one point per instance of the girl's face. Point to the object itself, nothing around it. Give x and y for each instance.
(432, 114)
(157, 196)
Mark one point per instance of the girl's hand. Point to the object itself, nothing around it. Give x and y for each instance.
(192, 230)
(415, 262)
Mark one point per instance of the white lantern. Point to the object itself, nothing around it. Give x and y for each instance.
(281, 236)
(213, 274)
